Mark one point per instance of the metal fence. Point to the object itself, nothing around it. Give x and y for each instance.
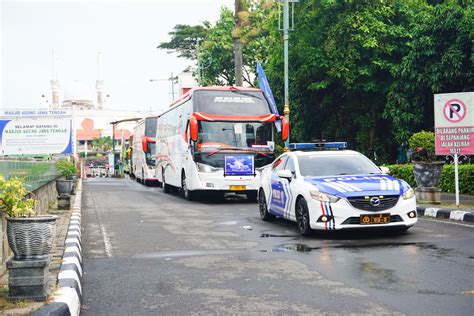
(36, 173)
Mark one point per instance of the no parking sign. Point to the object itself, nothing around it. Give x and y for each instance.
(454, 123)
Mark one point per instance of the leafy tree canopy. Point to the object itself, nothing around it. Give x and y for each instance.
(184, 40)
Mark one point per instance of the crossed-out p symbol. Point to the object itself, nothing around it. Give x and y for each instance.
(454, 110)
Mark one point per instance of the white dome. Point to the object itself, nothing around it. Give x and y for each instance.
(78, 90)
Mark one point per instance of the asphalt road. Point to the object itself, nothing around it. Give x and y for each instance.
(149, 253)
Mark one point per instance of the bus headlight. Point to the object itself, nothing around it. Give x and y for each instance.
(408, 194)
(323, 197)
(206, 168)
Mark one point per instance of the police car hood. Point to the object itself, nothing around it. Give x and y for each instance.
(349, 186)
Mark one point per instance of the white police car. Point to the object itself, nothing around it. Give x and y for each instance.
(332, 190)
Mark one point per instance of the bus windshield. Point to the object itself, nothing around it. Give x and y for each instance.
(150, 126)
(150, 131)
(236, 135)
(231, 102)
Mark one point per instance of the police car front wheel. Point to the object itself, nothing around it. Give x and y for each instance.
(302, 217)
(262, 205)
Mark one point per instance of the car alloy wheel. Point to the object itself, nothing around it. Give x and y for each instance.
(302, 217)
(262, 206)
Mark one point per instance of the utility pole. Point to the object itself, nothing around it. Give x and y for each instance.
(172, 85)
(238, 44)
(199, 61)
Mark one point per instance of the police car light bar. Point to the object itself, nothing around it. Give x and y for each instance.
(317, 146)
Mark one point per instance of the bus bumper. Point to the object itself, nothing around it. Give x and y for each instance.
(217, 182)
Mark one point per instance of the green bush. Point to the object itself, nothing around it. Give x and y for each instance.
(66, 168)
(466, 177)
(404, 172)
(13, 198)
(423, 146)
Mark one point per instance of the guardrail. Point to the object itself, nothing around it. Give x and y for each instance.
(36, 173)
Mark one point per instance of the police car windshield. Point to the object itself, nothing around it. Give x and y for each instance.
(331, 165)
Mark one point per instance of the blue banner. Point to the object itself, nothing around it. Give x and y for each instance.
(238, 165)
(267, 91)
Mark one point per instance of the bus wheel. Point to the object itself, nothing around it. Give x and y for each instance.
(166, 187)
(188, 194)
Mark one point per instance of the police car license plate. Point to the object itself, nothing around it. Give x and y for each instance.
(237, 187)
(369, 219)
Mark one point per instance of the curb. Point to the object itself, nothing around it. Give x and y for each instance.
(456, 215)
(67, 299)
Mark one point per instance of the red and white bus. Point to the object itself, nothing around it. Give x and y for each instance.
(143, 158)
(216, 139)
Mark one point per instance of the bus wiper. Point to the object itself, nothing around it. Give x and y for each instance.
(257, 152)
(245, 93)
(237, 148)
(221, 149)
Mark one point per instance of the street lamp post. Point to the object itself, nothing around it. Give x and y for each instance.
(172, 81)
(74, 133)
(286, 22)
(286, 28)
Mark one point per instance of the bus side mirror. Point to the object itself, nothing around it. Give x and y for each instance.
(144, 144)
(193, 128)
(285, 128)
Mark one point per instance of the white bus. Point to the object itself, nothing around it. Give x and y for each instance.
(143, 157)
(214, 139)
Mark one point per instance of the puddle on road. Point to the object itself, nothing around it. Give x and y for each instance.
(186, 253)
(297, 247)
(272, 235)
(291, 247)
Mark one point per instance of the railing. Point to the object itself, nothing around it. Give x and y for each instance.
(36, 173)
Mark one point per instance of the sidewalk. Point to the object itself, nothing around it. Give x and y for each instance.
(57, 266)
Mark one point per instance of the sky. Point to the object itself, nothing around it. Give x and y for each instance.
(126, 32)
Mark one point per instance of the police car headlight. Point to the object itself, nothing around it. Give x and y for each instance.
(323, 197)
(408, 194)
(206, 168)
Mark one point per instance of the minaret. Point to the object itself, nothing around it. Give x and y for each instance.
(54, 85)
(99, 84)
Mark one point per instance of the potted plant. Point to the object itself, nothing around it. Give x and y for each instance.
(30, 236)
(67, 170)
(426, 168)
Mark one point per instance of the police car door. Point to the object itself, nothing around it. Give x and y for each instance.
(277, 189)
(289, 188)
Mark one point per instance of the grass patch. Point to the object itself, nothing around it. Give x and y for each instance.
(5, 304)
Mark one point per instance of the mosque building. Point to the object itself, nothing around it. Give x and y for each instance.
(92, 112)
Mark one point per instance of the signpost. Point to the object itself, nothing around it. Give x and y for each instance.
(35, 132)
(454, 127)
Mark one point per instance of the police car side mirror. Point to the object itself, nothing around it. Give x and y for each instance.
(286, 174)
(385, 170)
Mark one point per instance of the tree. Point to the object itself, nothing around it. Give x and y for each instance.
(341, 55)
(439, 59)
(184, 40)
(241, 17)
(217, 42)
(103, 143)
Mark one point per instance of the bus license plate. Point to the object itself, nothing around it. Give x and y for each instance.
(237, 187)
(370, 219)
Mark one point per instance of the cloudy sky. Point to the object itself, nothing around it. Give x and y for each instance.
(126, 33)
